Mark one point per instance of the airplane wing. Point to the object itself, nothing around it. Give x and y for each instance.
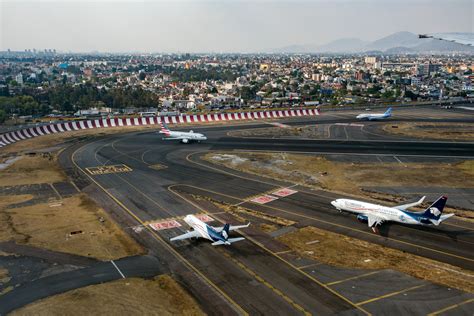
(461, 38)
(228, 242)
(191, 234)
(407, 206)
(374, 220)
(231, 228)
(175, 138)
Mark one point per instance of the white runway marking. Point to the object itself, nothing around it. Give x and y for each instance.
(399, 160)
(120, 272)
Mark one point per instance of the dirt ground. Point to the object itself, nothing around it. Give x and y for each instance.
(158, 296)
(4, 278)
(74, 225)
(40, 168)
(3, 275)
(445, 131)
(273, 131)
(339, 250)
(348, 178)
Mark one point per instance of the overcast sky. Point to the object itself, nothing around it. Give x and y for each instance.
(217, 26)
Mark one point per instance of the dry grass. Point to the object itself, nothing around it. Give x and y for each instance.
(3, 275)
(268, 228)
(47, 226)
(4, 278)
(41, 168)
(447, 131)
(266, 132)
(339, 250)
(134, 296)
(307, 131)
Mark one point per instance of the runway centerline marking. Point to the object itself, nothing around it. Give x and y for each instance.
(116, 267)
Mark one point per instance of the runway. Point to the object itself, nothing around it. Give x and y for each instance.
(165, 177)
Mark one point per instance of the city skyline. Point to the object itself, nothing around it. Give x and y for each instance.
(211, 26)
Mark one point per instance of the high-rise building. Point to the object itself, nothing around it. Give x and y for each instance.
(428, 68)
(370, 60)
(19, 78)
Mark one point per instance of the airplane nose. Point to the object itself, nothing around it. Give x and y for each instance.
(334, 203)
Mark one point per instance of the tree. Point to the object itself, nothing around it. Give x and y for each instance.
(3, 115)
(387, 94)
(247, 93)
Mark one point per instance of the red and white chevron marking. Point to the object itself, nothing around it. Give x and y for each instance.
(18, 135)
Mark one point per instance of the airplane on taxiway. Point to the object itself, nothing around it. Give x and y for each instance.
(374, 214)
(218, 235)
(372, 117)
(184, 137)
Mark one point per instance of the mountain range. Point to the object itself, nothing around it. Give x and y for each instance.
(396, 43)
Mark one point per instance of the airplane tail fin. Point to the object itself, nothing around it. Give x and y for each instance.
(164, 129)
(434, 212)
(388, 112)
(226, 229)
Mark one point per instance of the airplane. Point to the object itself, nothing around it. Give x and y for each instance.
(372, 117)
(184, 137)
(374, 214)
(218, 235)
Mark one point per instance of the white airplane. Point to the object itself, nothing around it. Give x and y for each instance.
(374, 214)
(218, 235)
(184, 137)
(372, 117)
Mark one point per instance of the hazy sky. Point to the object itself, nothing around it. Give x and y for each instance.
(217, 26)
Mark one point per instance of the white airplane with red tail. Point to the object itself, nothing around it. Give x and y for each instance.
(184, 137)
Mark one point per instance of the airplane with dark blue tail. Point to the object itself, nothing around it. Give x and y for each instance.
(374, 214)
(218, 235)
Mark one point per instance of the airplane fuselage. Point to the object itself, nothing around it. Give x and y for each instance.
(184, 137)
(380, 211)
(372, 117)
